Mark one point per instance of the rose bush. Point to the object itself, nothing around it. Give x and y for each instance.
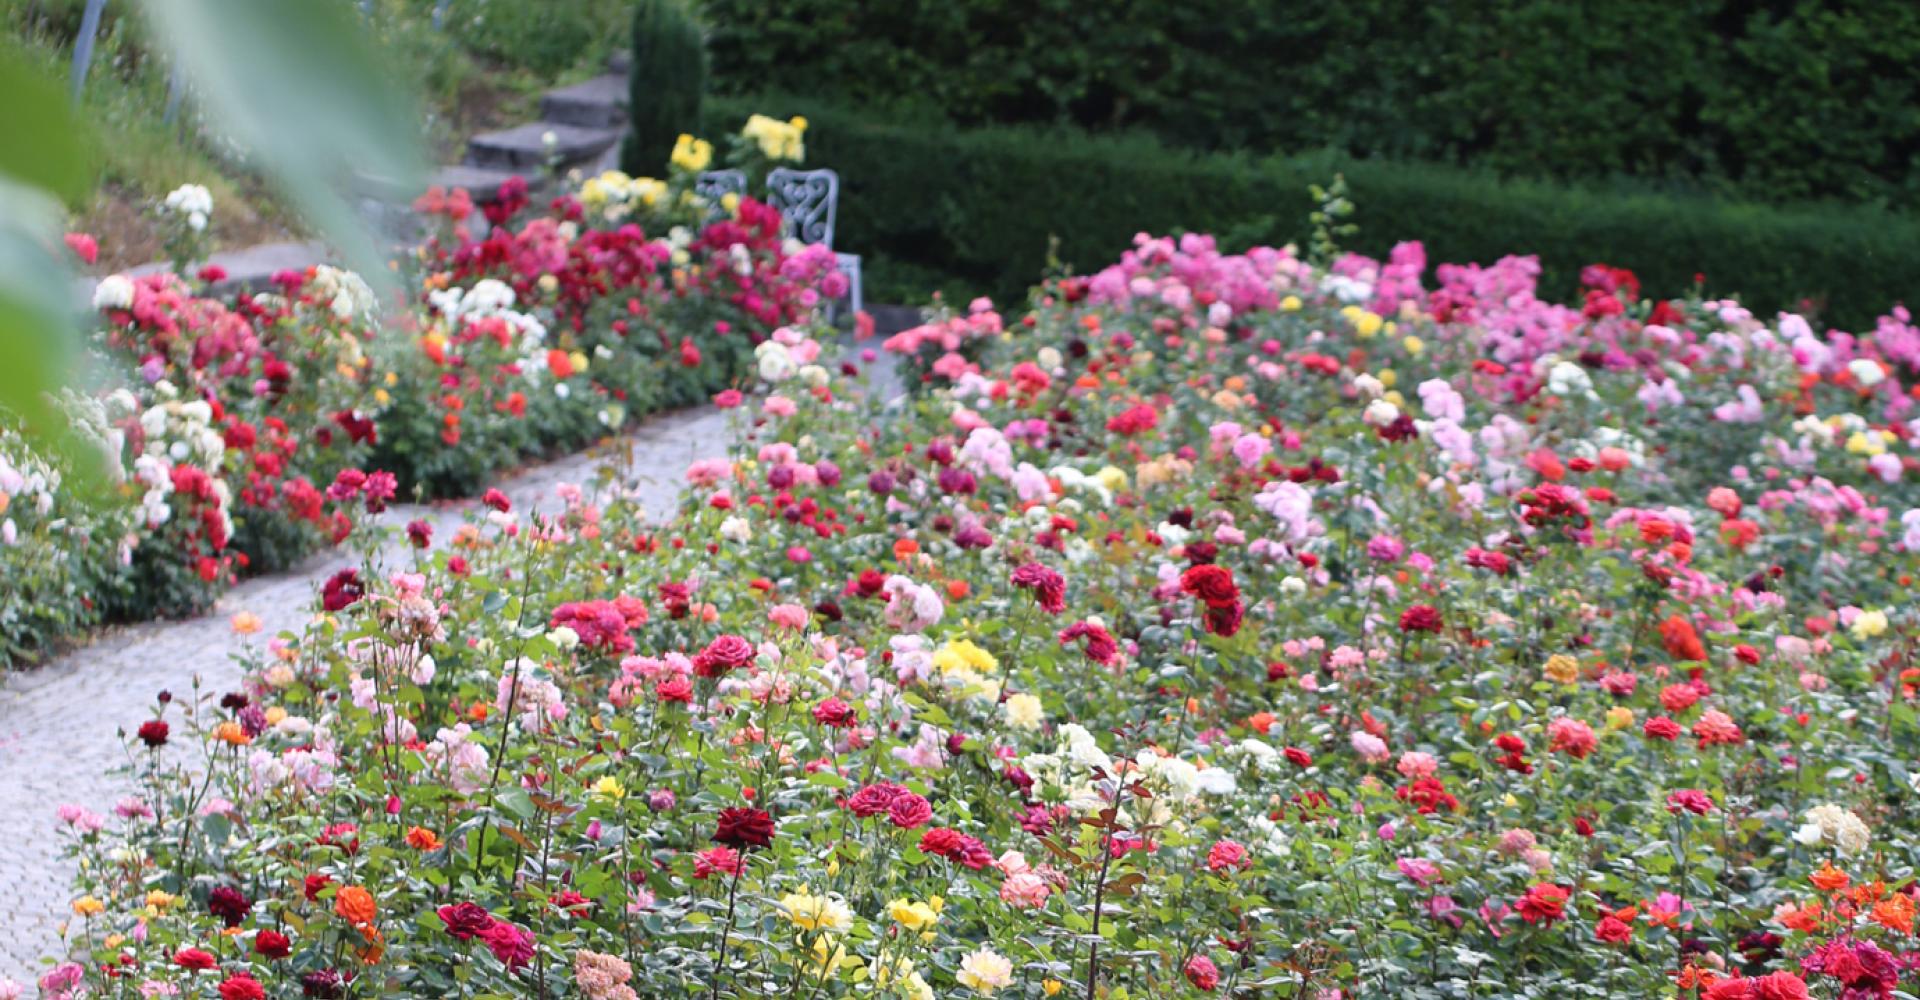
(1223, 624)
(533, 332)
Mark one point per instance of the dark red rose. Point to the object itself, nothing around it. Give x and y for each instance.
(743, 827)
(466, 921)
(153, 733)
(1420, 618)
(229, 904)
(341, 590)
(1211, 583)
(1049, 587)
(322, 984)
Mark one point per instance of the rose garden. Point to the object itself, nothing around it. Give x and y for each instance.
(1214, 619)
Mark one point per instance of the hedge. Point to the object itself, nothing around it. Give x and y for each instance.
(977, 210)
(1774, 100)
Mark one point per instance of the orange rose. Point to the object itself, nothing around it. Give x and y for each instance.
(423, 839)
(1828, 878)
(354, 905)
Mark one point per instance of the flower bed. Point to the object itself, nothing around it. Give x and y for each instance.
(533, 332)
(1224, 624)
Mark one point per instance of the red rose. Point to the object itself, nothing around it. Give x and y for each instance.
(466, 920)
(1211, 583)
(193, 958)
(1049, 587)
(153, 733)
(835, 713)
(1202, 973)
(1661, 728)
(1544, 903)
(1420, 618)
(272, 944)
(743, 827)
(341, 590)
(1613, 930)
(909, 811)
(723, 654)
(241, 986)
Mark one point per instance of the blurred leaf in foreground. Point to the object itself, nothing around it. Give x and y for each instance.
(300, 86)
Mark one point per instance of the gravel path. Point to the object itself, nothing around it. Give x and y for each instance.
(59, 724)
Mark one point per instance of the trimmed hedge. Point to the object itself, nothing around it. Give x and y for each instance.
(976, 211)
(1774, 100)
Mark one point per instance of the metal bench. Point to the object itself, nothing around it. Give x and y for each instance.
(808, 201)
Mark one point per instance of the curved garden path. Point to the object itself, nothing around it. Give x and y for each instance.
(60, 724)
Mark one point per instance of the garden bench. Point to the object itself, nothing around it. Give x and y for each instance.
(714, 185)
(808, 201)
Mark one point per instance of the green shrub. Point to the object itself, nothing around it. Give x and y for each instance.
(982, 207)
(545, 37)
(1775, 101)
(668, 79)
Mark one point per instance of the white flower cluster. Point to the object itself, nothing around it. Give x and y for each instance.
(115, 291)
(345, 292)
(27, 486)
(191, 201)
(488, 298)
(1831, 824)
(1067, 774)
(178, 432)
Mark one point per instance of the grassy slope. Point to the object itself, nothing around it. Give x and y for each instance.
(470, 76)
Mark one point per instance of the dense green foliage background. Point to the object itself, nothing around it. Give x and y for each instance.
(976, 210)
(1772, 100)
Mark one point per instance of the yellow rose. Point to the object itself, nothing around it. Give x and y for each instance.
(914, 916)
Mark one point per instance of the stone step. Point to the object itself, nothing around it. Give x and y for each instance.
(620, 61)
(598, 103)
(525, 147)
(249, 269)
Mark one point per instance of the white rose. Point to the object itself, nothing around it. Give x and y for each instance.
(115, 291)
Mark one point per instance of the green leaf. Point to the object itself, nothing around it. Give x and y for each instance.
(45, 145)
(37, 335)
(300, 85)
(516, 801)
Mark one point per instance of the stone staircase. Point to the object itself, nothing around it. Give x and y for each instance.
(585, 123)
(580, 126)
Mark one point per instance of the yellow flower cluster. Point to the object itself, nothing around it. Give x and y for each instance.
(816, 913)
(778, 140)
(962, 655)
(690, 154)
(615, 195)
(1365, 323)
(1562, 669)
(915, 915)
